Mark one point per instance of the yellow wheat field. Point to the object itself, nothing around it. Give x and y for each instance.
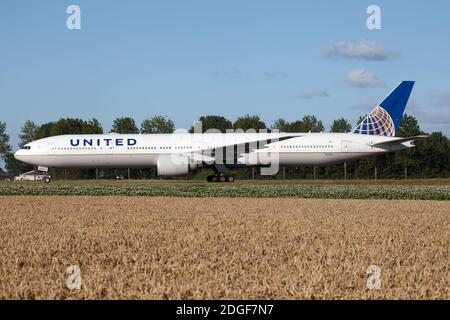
(202, 248)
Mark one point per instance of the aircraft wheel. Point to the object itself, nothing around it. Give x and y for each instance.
(209, 178)
(47, 179)
(230, 179)
(222, 178)
(214, 179)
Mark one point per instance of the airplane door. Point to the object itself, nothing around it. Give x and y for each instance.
(51, 148)
(346, 146)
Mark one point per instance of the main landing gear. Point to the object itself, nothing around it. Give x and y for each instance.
(220, 178)
(219, 174)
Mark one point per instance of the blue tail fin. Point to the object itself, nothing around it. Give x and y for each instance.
(385, 118)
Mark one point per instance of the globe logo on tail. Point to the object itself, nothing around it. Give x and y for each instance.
(377, 123)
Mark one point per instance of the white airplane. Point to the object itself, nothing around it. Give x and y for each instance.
(178, 154)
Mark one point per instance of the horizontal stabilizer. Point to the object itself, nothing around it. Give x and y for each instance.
(399, 140)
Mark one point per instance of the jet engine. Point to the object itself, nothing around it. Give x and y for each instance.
(170, 165)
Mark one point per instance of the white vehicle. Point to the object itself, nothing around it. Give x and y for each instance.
(32, 176)
(178, 154)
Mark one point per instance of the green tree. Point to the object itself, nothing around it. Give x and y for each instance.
(341, 125)
(433, 156)
(158, 124)
(308, 123)
(44, 130)
(75, 126)
(5, 147)
(404, 162)
(282, 125)
(68, 126)
(14, 166)
(92, 126)
(213, 122)
(408, 127)
(124, 125)
(27, 133)
(249, 122)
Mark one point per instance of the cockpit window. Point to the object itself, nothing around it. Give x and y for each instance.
(27, 147)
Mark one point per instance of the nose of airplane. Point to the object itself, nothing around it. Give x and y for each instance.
(19, 154)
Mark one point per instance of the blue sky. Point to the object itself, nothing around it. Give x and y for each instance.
(183, 59)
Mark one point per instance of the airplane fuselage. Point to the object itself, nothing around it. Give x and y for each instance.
(145, 150)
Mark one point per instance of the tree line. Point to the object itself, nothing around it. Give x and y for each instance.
(430, 158)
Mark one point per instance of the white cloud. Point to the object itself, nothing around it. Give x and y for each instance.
(313, 94)
(362, 79)
(365, 50)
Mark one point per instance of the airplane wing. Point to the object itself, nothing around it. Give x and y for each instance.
(248, 146)
(399, 140)
(209, 154)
